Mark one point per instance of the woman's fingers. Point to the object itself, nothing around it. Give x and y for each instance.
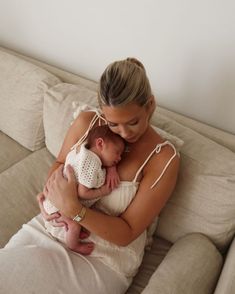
(40, 197)
(51, 217)
(57, 223)
(45, 191)
(45, 215)
(70, 173)
(62, 191)
(58, 174)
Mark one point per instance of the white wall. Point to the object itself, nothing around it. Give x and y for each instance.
(187, 46)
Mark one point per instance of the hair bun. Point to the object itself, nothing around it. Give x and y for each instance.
(135, 61)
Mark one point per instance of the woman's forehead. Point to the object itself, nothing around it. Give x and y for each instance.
(122, 114)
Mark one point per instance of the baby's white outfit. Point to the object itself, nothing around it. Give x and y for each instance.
(88, 171)
(87, 167)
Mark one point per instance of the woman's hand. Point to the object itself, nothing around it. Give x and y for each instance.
(62, 192)
(46, 216)
(104, 190)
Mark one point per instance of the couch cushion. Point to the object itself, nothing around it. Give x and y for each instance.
(192, 265)
(150, 262)
(10, 152)
(204, 198)
(21, 99)
(19, 187)
(226, 283)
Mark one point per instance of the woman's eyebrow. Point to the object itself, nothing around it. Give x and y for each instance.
(129, 121)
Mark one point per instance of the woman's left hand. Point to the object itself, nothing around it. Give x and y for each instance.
(62, 192)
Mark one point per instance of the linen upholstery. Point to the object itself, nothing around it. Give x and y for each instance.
(19, 185)
(59, 105)
(10, 152)
(14, 212)
(21, 98)
(192, 265)
(226, 281)
(204, 198)
(151, 261)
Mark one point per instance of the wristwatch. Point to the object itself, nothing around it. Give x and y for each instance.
(79, 217)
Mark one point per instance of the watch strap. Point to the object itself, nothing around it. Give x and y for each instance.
(80, 216)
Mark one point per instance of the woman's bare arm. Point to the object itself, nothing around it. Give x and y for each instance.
(146, 205)
(75, 132)
(77, 129)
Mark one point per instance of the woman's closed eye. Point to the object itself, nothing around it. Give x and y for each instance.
(112, 125)
(132, 123)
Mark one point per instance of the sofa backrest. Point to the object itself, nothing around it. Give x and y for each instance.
(204, 197)
(22, 87)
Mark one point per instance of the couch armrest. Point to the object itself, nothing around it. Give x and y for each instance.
(192, 265)
(226, 284)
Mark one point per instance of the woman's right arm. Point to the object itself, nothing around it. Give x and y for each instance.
(75, 132)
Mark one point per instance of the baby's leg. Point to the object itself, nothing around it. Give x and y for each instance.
(73, 242)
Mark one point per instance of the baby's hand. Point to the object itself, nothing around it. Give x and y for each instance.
(105, 190)
(112, 177)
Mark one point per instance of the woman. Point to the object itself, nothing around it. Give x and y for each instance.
(148, 172)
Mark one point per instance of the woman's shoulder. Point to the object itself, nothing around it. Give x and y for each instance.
(75, 133)
(162, 153)
(84, 117)
(165, 159)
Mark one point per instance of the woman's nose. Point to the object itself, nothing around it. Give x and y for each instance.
(124, 132)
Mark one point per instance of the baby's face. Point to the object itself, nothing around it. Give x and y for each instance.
(112, 152)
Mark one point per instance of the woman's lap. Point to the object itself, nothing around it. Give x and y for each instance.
(32, 262)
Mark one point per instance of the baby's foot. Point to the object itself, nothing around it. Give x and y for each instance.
(85, 248)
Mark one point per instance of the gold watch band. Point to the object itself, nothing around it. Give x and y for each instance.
(80, 216)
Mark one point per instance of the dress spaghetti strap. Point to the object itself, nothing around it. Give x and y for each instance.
(157, 149)
(97, 117)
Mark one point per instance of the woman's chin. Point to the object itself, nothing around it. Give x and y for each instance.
(131, 139)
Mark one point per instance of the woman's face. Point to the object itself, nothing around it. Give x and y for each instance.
(129, 121)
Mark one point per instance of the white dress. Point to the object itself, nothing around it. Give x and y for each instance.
(34, 262)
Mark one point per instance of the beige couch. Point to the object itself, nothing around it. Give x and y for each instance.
(193, 249)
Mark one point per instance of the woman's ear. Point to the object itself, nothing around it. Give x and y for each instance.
(151, 104)
(99, 144)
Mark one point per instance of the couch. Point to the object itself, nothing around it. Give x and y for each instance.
(193, 248)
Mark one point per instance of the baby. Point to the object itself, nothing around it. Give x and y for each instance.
(94, 167)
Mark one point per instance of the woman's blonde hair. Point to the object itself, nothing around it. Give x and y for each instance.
(123, 82)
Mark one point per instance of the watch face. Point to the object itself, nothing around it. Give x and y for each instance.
(81, 215)
(77, 218)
